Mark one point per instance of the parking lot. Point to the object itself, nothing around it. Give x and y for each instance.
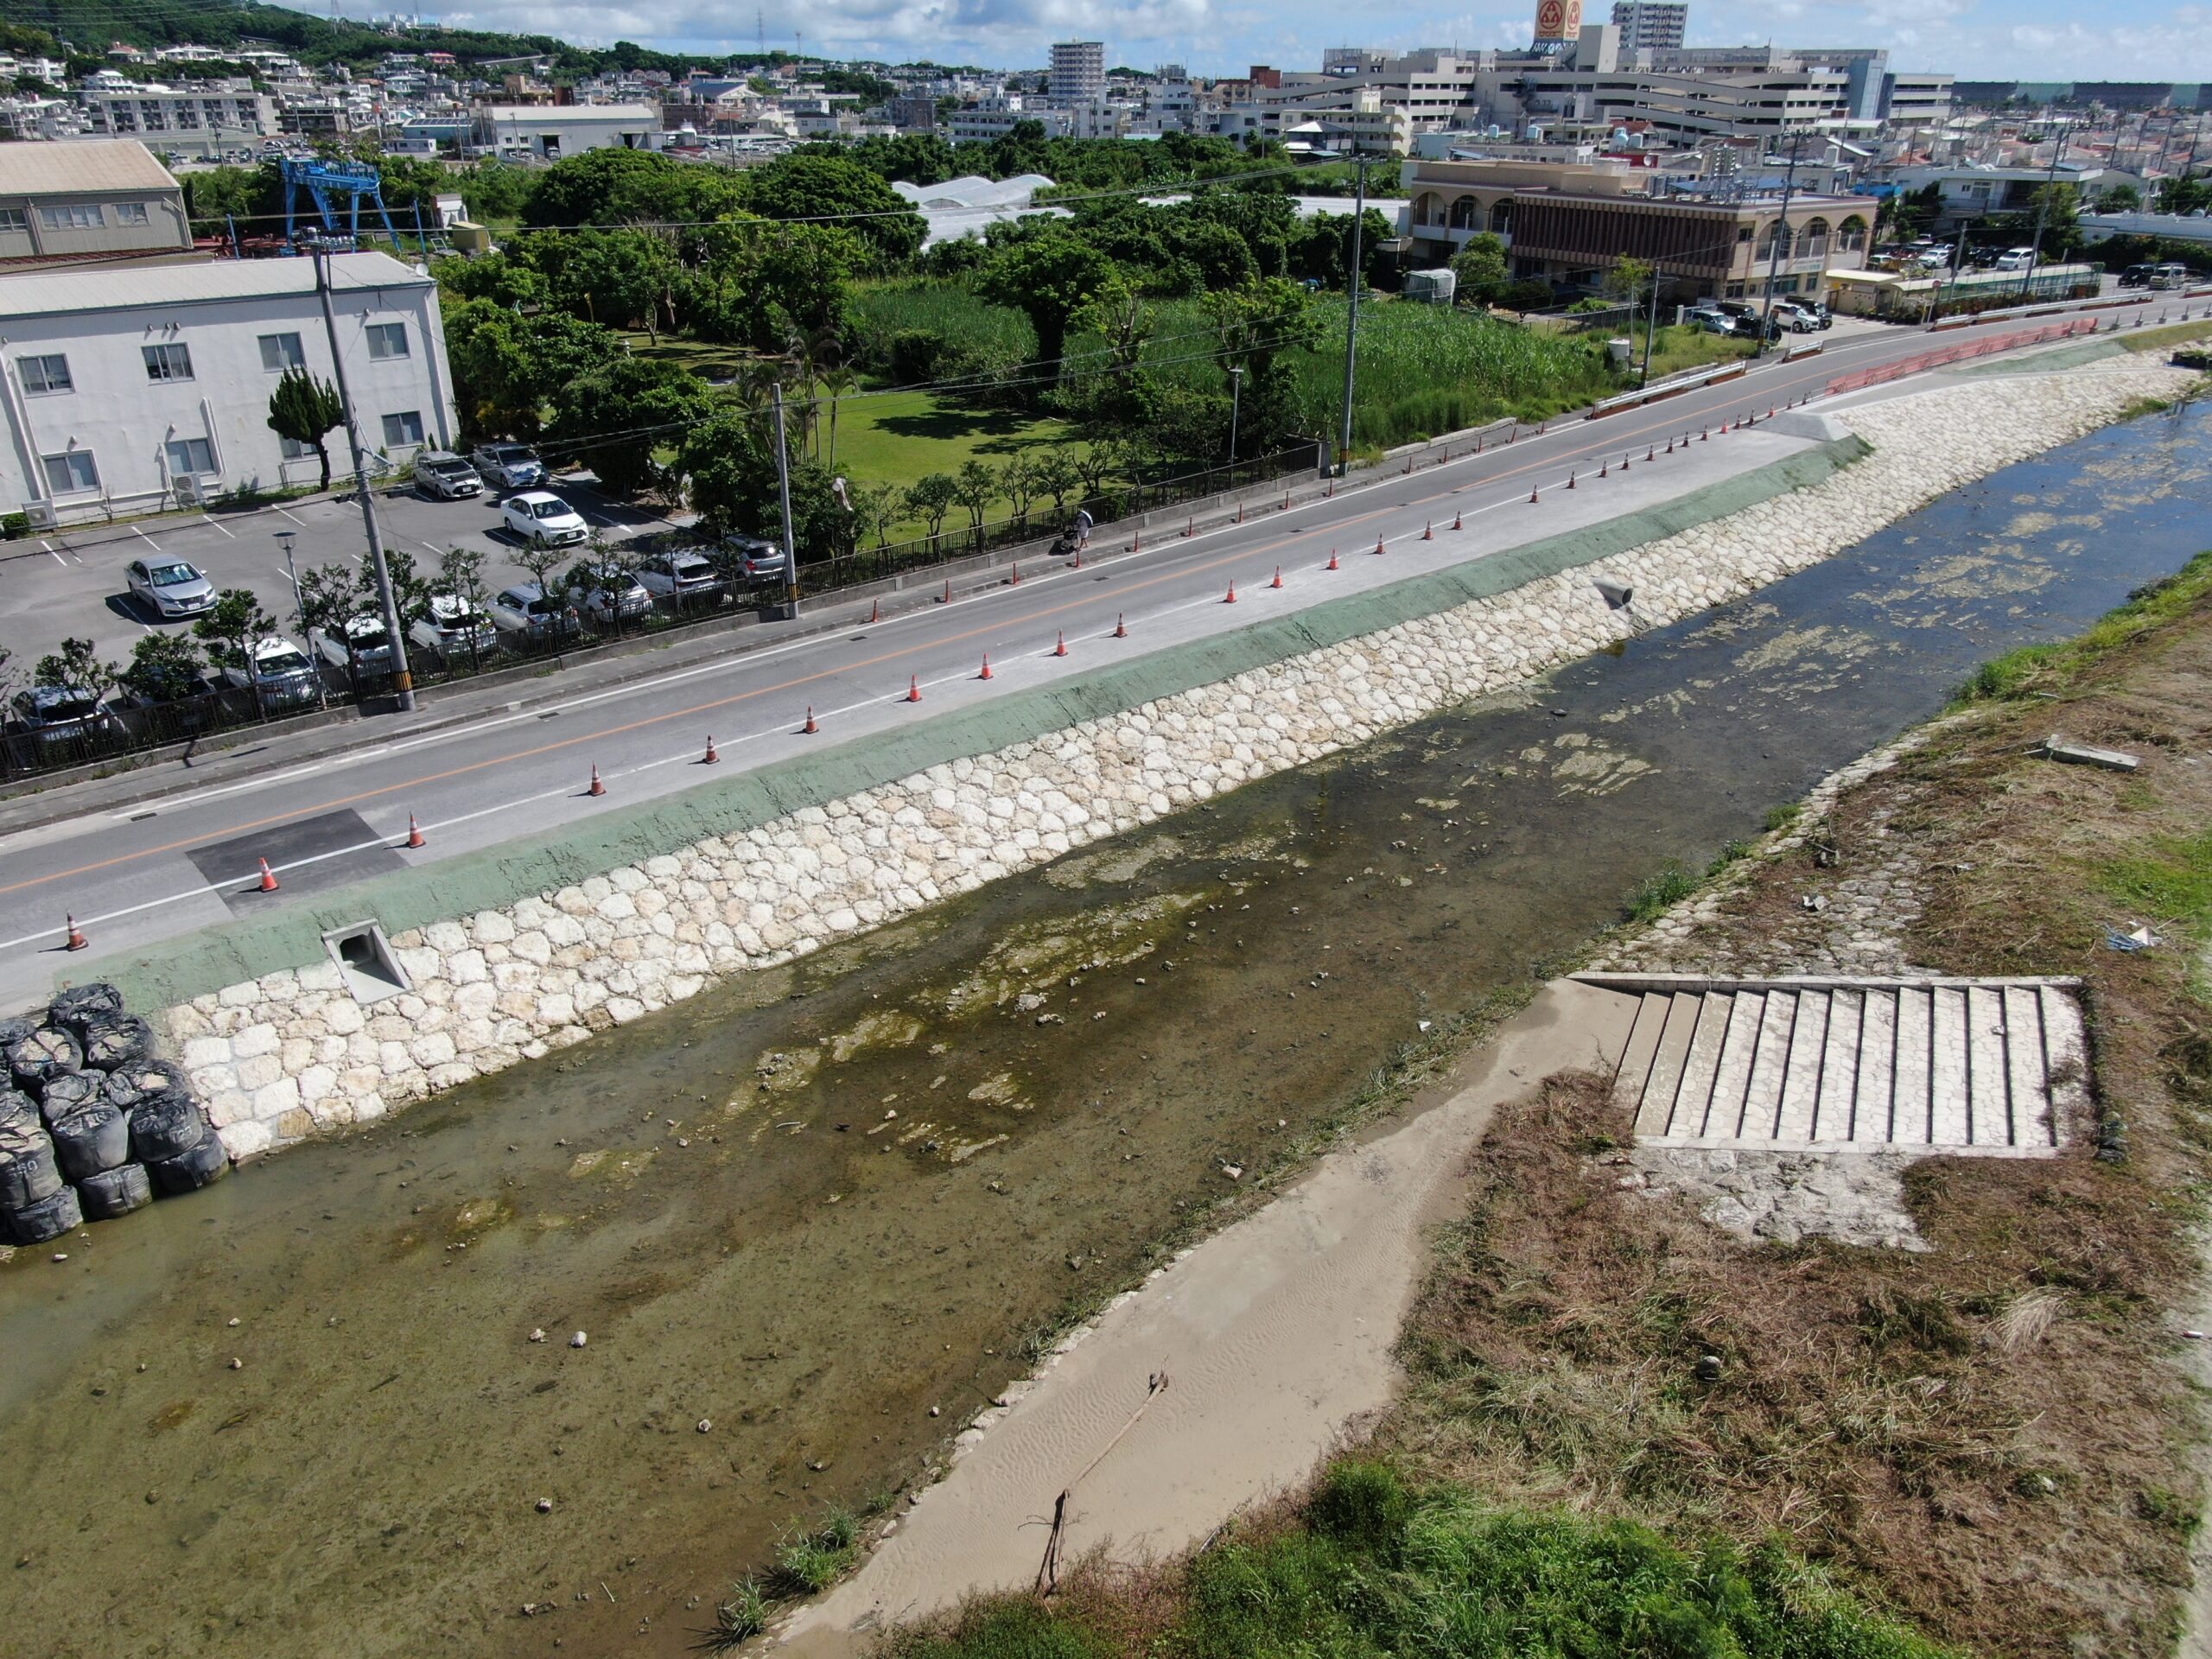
(70, 584)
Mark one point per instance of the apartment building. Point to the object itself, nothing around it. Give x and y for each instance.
(86, 200)
(1079, 73)
(203, 114)
(1651, 25)
(124, 390)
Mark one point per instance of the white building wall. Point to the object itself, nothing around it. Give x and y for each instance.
(126, 420)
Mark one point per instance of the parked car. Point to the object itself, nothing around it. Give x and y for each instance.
(1796, 319)
(2173, 276)
(281, 675)
(2017, 259)
(508, 466)
(172, 589)
(1711, 319)
(604, 592)
(1751, 318)
(530, 614)
(362, 646)
(539, 517)
(456, 628)
(755, 561)
(1933, 259)
(58, 719)
(441, 473)
(2136, 276)
(680, 578)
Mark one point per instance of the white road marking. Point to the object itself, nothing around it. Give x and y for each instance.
(58, 559)
(145, 538)
(212, 525)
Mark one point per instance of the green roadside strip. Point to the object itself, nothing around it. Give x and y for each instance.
(177, 970)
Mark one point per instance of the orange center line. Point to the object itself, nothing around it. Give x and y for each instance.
(1000, 624)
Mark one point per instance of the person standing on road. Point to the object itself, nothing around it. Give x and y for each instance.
(1082, 528)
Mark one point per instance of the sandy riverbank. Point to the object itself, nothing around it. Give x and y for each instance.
(1275, 1335)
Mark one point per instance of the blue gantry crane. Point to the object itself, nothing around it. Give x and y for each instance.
(326, 181)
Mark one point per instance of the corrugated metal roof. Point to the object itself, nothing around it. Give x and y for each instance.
(141, 287)
(72, 165)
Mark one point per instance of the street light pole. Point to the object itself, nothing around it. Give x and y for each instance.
(1235, 407)
(2043, 208)
(784, 498)
(1781, 235)
(1352, 310)
(402, 682)
(299, 606)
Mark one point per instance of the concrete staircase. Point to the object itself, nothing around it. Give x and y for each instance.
(1991, 1066)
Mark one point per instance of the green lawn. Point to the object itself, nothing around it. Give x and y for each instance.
(710, 361)
(896, 437)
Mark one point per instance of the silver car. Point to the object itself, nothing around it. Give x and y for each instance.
(526, 611)
(457, 629)
(607, 591)
(508, 466)
(364, 647)
(680, 578)
(441, 473)
(172, 588)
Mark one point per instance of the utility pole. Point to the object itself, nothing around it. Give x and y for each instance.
(1651, 330)
(790, 607)
(2043, 208)
(1781, 236)
(1236, 406)
(1351, 311)
(402, 682)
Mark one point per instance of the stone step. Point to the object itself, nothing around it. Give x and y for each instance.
(1995, 1065)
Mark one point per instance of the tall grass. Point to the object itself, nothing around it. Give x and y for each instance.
(951, 310)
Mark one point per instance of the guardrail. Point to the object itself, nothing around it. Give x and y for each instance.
(1965, 349)
(1690, 381)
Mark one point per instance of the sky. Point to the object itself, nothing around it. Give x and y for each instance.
(2027, 39)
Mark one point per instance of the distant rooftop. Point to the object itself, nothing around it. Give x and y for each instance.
(46, 293)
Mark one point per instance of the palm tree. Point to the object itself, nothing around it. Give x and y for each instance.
(836, 381)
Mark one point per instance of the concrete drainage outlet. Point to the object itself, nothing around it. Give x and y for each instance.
(367, 963)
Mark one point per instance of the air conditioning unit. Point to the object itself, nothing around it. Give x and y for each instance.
(40, 515)
(188, 489)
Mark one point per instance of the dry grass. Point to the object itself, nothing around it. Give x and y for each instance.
(1992, 1438)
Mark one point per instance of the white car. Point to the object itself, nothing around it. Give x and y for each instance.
(170, 588)
(543, 519)
(2017, 259)
(457, 629)
(281, 675)
(365, 646)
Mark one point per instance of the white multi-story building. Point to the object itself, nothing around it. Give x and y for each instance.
(549, 131)
(1651, 25)
(1079, 73)
(127, 390)
(206, 111)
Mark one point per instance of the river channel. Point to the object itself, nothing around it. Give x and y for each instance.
(797, 1213)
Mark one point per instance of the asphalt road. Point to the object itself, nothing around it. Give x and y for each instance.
(70, 584)
(133, 874)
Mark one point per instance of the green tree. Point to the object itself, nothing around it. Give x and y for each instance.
(1017, 482)
(729, 470)
(975, 487)
(875, 509)
(329, 595)
(1629, 280)
(307, 411)
(74, 664)
(630, 186)
(164, 668)
(1053, 473)
(1046, 278)
(510, 368)
(2119, 198)
(233, 625)
(930, 497)
(821, 185)
(1258, 323)
(616, 418)
(461, 573)
(1482, 269)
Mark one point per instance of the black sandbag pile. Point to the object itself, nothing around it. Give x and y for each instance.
(92, 1125)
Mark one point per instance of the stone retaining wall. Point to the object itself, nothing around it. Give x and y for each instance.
(279, 1056)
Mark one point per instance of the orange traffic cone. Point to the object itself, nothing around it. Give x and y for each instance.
(1624, 463)
(1333, 565)
(1570, 478)
(1455, 522)
(1670, 446)
(1532, 497)
(1231, 600)
(947, 600)
(1190, 527)
(1705, 435)
(1060, 645)
(712, 753)
(414, 833)
(1277, 583)
(913, 687)
(77, 939)
(809, 728)
(1650, 453)
(268, 877)
(1121, 628)
(1428, 530)
(1136, 543)
(597, 788)
(1014, 581)
(1606, 469)
(1378, 543)
(986, 673)
(1240, 512)
(875, 612)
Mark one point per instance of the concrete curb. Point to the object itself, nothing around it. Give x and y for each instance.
(175, 971)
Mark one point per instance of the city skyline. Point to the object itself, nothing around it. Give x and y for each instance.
(2036, 39)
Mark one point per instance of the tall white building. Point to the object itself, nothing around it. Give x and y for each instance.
(117, 386)
(1078, 72)
(1651, 25)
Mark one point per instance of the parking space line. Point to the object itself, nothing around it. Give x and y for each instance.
(212, 525)
(58, 559)
(145, 538)
(293, 517)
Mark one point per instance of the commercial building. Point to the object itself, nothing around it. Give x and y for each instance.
(1651, 25)
(126, 390)
(1078, 72)
(88, 199)
(549, 131)
(205, 116)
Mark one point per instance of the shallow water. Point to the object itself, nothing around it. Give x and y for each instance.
(808, 1206)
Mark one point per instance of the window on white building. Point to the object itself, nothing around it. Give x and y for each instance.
(281, 352)
(14, 219)
(74, 216)
(165, 363)
(193, 455)
(131, 212)
(387, 340)
(49, 374)
(71, 471)
(403, 429)
(293, 450)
